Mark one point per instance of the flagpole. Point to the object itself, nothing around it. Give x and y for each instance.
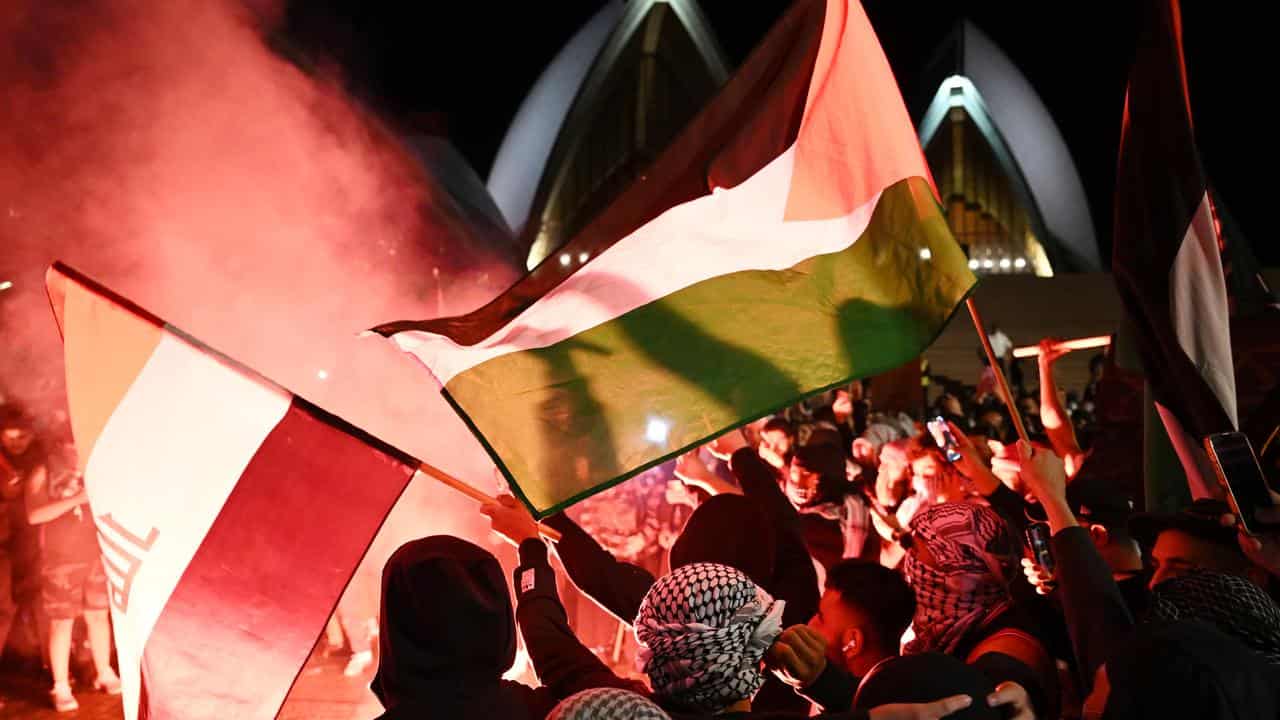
(995, 366)
(470, 491)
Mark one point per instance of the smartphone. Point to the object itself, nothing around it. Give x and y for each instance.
(1240, 475)
(942, 433)
(1038, 540)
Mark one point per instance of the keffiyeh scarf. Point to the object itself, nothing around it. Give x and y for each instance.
(966, 586)
(607, 704)
(702, 631)
(1233, 604)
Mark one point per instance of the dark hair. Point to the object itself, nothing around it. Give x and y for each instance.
(779, 423)
(879, 593)
(1096, 362)
(828, 461)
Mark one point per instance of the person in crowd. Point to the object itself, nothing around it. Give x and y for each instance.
(916, 678)
(861, 618)
(607, 704)
(15, 442)
(771, 551)
(73, 581)
(1232, 604)
(777, 441)
(834, 517)
(959, 566)
(1193, 539)
(705, 629)
(1001, 346)
(934, 479)
(447, 634)
(1157, 669)
(1057, 423)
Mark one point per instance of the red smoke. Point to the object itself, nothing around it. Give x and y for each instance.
(168, 153)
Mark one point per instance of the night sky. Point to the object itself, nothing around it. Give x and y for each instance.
(474, 61)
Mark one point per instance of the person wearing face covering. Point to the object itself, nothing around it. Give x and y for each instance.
(447, 634)
(959, 566)
(758, 533)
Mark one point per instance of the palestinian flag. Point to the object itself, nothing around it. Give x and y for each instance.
(1167, 253)
(230, 513)
(818, 255)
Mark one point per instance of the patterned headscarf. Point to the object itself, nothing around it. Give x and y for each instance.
(968, 584)
(702, 631)
(607, 704)
(1233, 604)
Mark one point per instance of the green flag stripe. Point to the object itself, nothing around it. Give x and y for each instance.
(574, 418)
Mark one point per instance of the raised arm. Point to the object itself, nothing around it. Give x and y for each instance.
(1057, 424)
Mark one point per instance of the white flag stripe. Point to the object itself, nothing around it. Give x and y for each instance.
(166, 461)
(1198, 304)
(730, 230)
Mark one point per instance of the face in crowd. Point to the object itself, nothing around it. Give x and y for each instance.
(1177, 553)
(16, 439)
(801, 485)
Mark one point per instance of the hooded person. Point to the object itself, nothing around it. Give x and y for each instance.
(447, 634)
(1184, 669)
(703, 630)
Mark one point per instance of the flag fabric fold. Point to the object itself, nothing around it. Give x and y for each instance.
(230, 513)
(819, 254)
(1167, 255)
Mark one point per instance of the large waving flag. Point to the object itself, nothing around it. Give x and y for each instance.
(230, 513)
(1166, 257)
(819, 255)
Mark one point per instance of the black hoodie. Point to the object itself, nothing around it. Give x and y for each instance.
(447, 636)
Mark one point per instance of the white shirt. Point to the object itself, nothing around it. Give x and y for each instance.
(1000, 344)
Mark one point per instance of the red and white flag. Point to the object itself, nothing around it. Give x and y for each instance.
(230, 512)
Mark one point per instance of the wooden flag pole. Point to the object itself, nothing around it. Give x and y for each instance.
(470, 491)
(995, 365)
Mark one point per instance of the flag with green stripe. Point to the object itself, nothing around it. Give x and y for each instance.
(827, 258)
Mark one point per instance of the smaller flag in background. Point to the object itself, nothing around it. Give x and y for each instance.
(230, 512)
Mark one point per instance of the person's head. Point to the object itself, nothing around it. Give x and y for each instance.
(714, 534)
(703, 630)
(446, 620)
(863, 613)
(958, 566)
(816, 475)
(778, 437)
(1193, 539)
(1230, 603)
(1096, 364)
(1029, 405)
(926, 677)
(1183, 669)
(16, 430)
(950, 405)
(865, 452)
(607, 704)
(934, 478)
(1103, 509)
(895, 462)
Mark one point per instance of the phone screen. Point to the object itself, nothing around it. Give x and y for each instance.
(942, 433)
(1240, 474)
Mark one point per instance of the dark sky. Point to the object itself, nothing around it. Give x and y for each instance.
(474, 62)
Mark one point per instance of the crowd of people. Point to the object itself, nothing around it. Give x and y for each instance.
(842, 562)
(833, 560)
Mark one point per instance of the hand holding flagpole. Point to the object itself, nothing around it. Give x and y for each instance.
(475, 494)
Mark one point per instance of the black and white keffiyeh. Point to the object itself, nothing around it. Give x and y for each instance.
(702, 630)
(1233, 604)
(967, 586)
(607, 704)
